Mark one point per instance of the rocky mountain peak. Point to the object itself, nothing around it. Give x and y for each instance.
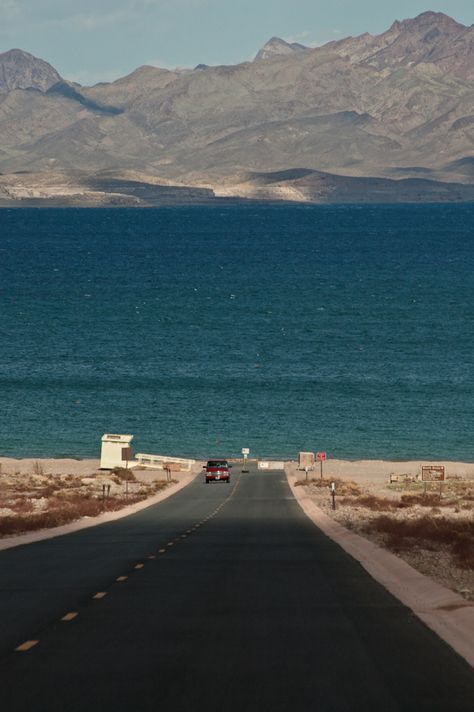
(420, 39)
(427, 27)
(21, 70)
(429, 18)
(276, 47)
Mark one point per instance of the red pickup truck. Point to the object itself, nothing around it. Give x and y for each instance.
(217, 471)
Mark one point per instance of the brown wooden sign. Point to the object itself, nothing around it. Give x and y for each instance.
(127, 453)
(432, 473)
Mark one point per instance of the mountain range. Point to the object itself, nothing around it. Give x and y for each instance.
(368, 118)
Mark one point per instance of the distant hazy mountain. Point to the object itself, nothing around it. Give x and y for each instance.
(276, 47)
(20, 70)
(397, 106)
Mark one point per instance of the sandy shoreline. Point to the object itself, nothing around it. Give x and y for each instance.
(372, 470)
(358, 470)
(49, 466)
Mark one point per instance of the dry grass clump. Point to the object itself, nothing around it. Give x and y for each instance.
(425, 500)
(122, 474)
(371, 501)
(19, 505)
(343, 487)
(61, 512)
(427, 532)
(385, 504)
(37, 501)
(159, 485)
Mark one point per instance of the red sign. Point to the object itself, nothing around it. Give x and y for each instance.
(320, 456)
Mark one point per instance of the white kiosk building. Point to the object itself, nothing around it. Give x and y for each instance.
(116, 451)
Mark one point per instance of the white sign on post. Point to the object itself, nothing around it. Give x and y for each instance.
(245, 453)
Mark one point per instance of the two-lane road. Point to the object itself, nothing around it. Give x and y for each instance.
(228, 598)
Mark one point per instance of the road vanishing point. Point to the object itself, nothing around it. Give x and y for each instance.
(222, 598)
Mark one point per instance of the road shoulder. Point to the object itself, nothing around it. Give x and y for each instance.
(86, 522)
(449, 615)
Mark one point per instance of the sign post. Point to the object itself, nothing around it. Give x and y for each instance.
(321, 456)
(245, 453)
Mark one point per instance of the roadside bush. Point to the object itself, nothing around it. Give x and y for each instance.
(123, 474)
(343, 487)
(428, 532)
(63, 512)
(370, 501)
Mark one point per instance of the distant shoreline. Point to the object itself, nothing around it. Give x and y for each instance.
(359, 469)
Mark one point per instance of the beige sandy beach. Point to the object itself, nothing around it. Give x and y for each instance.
(358, 470)
(49, 466)
(380, 470)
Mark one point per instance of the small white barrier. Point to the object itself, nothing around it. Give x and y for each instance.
(158, 461)
(271, 465)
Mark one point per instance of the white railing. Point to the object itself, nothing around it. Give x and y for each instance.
(158, 461)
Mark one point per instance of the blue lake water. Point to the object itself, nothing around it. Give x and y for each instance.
(202, 330)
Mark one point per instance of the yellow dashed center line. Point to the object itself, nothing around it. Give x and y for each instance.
(70, 616)
(27, 646)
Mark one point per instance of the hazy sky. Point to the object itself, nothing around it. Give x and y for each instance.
(94, 40)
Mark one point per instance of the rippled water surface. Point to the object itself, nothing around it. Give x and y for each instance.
(205, 329)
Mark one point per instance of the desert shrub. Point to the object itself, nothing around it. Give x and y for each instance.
(62, 512)
(425, 532)
(22, 505)
(425, 500)
(38, 468)
(46, 491)
(123, 474)
(343, 487)
(370, 501)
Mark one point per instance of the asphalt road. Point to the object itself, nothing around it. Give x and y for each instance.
(243, 606)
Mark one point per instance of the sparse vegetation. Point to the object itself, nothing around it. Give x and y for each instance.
(61, 512)
(428, 532)
(122, 474)
(430, 525)
(343, 487)
(371, 501)
(38, 468)
(39, 501)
